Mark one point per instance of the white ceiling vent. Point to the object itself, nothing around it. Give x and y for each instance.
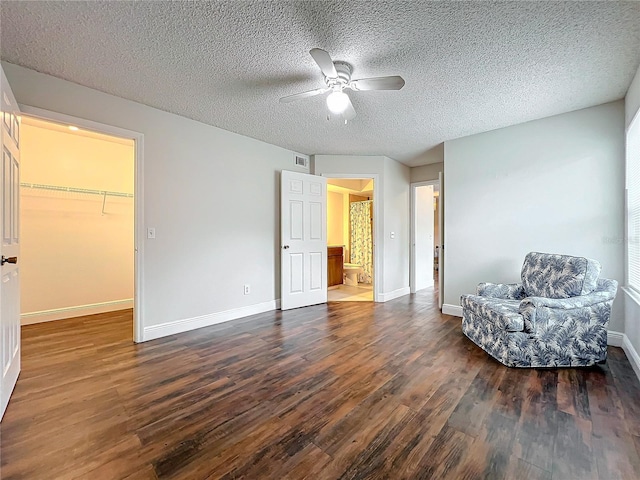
(301, 161)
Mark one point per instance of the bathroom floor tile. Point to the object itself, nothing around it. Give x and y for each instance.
(349, 293)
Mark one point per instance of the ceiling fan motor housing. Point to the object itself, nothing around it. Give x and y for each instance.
(344, 76)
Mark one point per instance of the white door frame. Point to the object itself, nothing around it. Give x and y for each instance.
(412, 262)
(377, 231)
(138, 199)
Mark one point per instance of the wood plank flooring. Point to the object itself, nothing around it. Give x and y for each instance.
(344, 390)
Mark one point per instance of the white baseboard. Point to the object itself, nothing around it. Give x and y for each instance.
(455, 310)
(614, 338)
(401, 292)
(632, 355)
(77, 311)
(178, 326)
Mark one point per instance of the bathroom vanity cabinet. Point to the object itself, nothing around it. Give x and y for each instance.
(335, 264)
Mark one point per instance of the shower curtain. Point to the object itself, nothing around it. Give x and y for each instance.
(362, 239)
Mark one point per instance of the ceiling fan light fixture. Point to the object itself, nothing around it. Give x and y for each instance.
(337, 102)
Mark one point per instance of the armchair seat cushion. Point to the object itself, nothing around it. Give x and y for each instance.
(504, 314)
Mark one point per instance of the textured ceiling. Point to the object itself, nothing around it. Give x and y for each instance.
(469, 67)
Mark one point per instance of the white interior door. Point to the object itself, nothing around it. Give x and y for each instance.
(303, 239)
(9, 246)
(441, 246)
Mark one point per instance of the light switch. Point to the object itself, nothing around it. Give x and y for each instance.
(392, 234)
(151, 233)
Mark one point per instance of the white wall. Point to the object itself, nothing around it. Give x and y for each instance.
(74, 258)
(397, 206)
(424, 233)
(431, 156)
(551, 185)
(632, 99)
(392, 203)
(426, 173)
(335, 218)
(632, 305)
(207, 246)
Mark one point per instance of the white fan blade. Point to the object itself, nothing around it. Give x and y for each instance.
(324, 61)
(378, 83)
(349, 112)
(298, 96)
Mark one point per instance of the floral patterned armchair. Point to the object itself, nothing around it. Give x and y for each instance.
(557, 316)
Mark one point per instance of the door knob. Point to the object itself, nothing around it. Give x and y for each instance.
(4, 260)
(285, 246)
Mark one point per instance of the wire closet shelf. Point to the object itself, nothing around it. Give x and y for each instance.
(56, 188)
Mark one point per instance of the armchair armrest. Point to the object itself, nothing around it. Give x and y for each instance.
(506, 291)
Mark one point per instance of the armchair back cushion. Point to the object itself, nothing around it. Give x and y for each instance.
(558, 276)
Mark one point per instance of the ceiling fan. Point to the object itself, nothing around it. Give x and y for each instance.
(337, 77)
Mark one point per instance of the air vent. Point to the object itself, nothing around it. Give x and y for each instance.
(301, 161)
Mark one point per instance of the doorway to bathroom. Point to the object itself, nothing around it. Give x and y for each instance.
(350, 239)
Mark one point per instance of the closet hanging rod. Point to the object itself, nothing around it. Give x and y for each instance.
(76, 190)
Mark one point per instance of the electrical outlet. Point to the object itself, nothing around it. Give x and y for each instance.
(392, 234)
(247, 289)
(151, 233)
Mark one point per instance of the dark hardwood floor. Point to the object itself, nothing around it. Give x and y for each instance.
(345, 390)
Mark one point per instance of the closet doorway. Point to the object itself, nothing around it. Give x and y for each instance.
(351, 230)
(77, 223)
